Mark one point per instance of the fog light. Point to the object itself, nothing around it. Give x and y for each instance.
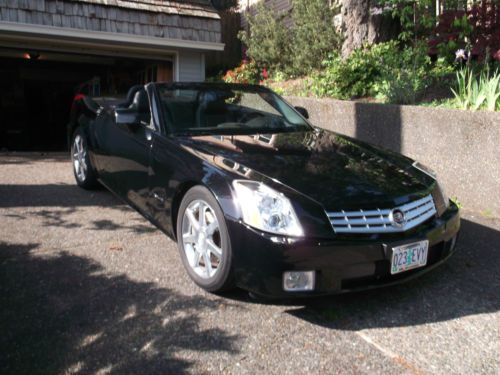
(296, 281)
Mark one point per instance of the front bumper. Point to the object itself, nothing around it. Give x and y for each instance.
(343, 264)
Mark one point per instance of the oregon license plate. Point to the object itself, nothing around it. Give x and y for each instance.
(409, 256)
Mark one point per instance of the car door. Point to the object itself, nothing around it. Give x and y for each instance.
(129, 151)
(171, 165)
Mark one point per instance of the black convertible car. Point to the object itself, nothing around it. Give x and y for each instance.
(258, 198)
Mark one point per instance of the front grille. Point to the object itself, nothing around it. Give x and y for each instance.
(379, 220)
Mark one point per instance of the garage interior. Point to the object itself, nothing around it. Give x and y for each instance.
(37, 88)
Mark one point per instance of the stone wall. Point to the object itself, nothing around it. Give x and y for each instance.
(463, 147)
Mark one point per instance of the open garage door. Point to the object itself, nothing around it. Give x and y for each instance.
(37, 88)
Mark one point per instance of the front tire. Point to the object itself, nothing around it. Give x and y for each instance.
(85, 175)
(203, 241)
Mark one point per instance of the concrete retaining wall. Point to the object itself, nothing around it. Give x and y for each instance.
(462, 147)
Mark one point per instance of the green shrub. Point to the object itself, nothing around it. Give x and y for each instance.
(313, 34)
(293, 51)
(386, 71)
(404, 74)
(350, 78)
(268, 41)
(247, 72)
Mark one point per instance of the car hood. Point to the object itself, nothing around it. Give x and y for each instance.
(334, 170)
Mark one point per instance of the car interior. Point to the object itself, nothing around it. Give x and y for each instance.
(137, 103)
(188, 109)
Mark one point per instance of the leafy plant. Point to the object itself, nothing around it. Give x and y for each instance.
(415, 17)
(268, 41)
(347, 78)
(292, 50)
(313, 35)
(404, 74)
(491, 89)
(247, 72)
(477, 92)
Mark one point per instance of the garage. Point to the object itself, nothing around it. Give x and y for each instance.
(53, 50)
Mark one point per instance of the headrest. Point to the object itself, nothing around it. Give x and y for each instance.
(140, 102)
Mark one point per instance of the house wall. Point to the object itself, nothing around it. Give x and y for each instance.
(89, 15)
(278, 7)
(461, 146)
(191, 66)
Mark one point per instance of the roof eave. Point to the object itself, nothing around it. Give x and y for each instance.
(62, 33)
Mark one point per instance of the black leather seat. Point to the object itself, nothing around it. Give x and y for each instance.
(130, 96)
(137, 104)
(140, 103)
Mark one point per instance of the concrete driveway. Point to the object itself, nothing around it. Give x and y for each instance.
(88, 286)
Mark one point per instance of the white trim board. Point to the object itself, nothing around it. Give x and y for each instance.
(14, 30)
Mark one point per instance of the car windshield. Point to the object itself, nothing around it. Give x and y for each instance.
(226, 109)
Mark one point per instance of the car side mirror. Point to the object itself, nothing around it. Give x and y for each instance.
(127, 117)
(303, 112)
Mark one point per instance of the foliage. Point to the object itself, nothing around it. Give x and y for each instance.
(313, 34)
(392, 73)
(475, 91)
(247, 72)
(224, 4)
(268, 42)
(349, 78)
(459, 36)
(293, 51)
(415, 17)
(474, 29)
(404, 76)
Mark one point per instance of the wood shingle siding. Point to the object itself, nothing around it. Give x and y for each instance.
(279, 7)
(191, 20)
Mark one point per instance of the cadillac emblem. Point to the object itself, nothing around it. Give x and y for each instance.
(397, 218)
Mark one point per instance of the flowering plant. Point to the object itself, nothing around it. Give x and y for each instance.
(247, 72)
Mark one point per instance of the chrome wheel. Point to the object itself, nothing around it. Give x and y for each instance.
(201, 239)
(80, 158)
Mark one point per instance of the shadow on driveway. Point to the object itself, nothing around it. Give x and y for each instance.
(54, 195)
(467, 284)
(63, 313)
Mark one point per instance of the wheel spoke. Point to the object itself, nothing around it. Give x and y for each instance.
(201, 214)
(208, 264)
(199, 224)
(212, 227)
(214, 249)
(189, 238)
(192, 220)
(77, 145)
(198, 256)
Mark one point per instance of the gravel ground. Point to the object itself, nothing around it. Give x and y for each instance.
(88, 286)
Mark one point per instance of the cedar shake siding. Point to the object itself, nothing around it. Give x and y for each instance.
(187, 20)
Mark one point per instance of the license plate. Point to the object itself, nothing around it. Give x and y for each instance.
(409, 256)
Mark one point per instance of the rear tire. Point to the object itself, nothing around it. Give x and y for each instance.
(84, 172)
(203, 241)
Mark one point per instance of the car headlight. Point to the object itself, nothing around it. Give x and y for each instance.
(429, 172)
(266, 209)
